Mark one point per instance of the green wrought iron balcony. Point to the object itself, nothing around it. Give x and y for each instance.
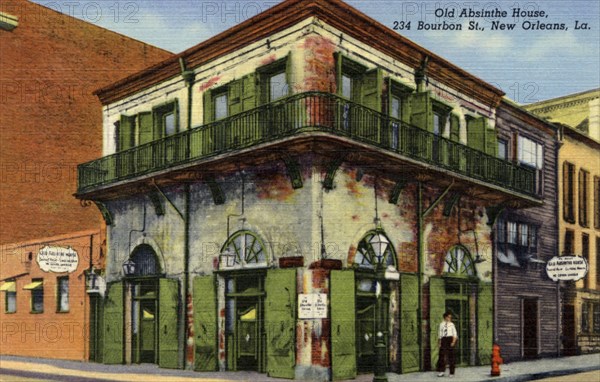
(294, 115)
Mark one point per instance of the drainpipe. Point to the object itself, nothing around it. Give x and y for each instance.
(420, 250)
(559, 306)
(188, 349)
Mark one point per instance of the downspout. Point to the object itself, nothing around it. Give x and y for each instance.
(420, 249)
(559, 332)
(188, 349)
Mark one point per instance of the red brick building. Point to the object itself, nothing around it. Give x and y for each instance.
(50, 64)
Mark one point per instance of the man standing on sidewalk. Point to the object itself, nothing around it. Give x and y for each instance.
(447, 338)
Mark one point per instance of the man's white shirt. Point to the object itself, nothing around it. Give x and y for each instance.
(447, 329)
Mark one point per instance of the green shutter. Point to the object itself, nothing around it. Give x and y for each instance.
(485, 328)
(209, 113)
(146, 130)
(234, 97)
(125, 133)
(371, 90)
(249, 92)
(168, 338)
(288, 73)
(421, 112)
(280, 322)
(476, 129)
(454, 128)
(112, 331)
(491, 142)
(437, 307)
(343, 341)
(338, 72)
(205, 323)
(409, 326)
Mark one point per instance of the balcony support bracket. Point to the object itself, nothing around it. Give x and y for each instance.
(155, 199)
(437, 200)
(332, 170)
(216, 191)
(106, 215)
(452, 201)
(293, 170)
(493, 213)
(395, 195)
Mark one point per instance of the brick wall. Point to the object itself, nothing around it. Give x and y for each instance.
(49, 120)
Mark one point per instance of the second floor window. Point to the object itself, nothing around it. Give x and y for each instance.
(221, 105)
(502, 149)
(278, 86)
(568, 192)
(531, 154)
(584, 177)
(569, 244)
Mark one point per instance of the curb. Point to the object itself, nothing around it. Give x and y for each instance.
(542, 375)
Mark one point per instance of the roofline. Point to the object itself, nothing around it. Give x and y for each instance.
(102, 28)
(580, 136)
(550, 101)
(337, 14)
(528, 117)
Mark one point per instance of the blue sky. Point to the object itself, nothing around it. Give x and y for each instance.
(528, 65)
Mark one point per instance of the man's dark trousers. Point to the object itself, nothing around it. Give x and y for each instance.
(446, 356)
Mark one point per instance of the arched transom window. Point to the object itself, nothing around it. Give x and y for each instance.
(459, 262)
(243, 249)
(145, 261)
(373, 248)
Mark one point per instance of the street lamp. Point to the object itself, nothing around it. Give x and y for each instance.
(129, 268)
(379, 242)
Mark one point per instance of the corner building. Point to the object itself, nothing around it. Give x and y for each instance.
(301, 198)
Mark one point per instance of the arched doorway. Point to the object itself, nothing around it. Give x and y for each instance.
(244, 261)
(460, 287)
(374, 249)
(144, 304)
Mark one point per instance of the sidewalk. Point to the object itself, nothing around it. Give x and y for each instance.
(91, 372)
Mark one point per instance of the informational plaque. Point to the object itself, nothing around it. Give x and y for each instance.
(312, 306)
(567, 268)
(57, 259)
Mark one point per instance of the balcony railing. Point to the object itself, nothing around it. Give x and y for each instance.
(312, 111)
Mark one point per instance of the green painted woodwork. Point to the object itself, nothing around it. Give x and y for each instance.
(491, 142)
(437, 307)
(371, 89)
(476, 129)
(167, 324)
(409, 325)
(146, 128)
(485, 328)
(454, 128)
(249, 95)
(421, 111)
(205, 323)
(126, 126)
(209, 112)
(234, 97)
(280, 322)
(112, 333)
(342, 305)
(196, 144)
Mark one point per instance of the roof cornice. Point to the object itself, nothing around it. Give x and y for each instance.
(335, 13)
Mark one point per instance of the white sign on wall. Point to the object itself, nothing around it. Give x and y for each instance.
(57, 259)
(313, 305)
(567, 268)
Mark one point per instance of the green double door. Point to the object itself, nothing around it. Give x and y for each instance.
(154, 311)
(260, 322)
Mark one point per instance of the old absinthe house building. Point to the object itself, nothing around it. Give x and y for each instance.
(301, 198)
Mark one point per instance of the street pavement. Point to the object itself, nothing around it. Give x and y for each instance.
(20, 369)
